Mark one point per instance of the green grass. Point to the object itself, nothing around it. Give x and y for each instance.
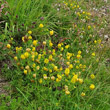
(69, 27)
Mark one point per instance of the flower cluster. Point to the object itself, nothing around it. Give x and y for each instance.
(55, 66)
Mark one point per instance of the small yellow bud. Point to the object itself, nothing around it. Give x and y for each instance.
(41, 26)
(8, 46)
(92, 87)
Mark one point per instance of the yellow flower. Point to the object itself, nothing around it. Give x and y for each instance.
(80, 81)
(50, 70)
(95, 41)
(89, 27)
(39, 56)
(40, 81)
(45, 69)
(41, 26)
(50, 44)
(68, 57)
(82, 94)
(80, 65)
(34, 75)
(59, 45)
(22, 57)
(66, 88)
(62, 48)
(44, 42)
(33, 49)
(67, 71)
(79, 52)
(67, 92)
(11, 38)
(92, 76)
(52, 78)
(67, 46)
(67, 63)
(83, 12)
(92, 86)
(15, 58)
(38, 67)
(26, 54)
(57, 80)
(28, 49)
(50, 57)
(51, 32)
(23, 39)
(25, 72)
(61, 69)
(74, 78)
(93, 54)
(70, 66)
(8, 46)
(34, 65)
(78, 56)
(35, 42)
(59, 77)
(45, 77)
(27, 67)
(46, 61)
(29, 32)
(55, 68)
(30, 37)
(77, 6)
(99, 41)
(77, 67)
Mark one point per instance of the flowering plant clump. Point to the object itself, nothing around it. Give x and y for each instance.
(55, 66)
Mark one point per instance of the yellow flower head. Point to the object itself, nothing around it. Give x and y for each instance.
(38, 67)
(82, 94)
(15, 58)
(27, 67)
(34, 65)
(59, 45)
(50, 57)
(80, 81)
(92, 87)
(44, 42)
(67, 92)
(79, 52)
(74, 78)
(41, 26)
(45, 69)
(29, 32)
(89, 27)
(34, 75)
(59, 77)
(70, 66)
(50, 44)
(78, 56)
(40, 81)
(67, 46)
(93, 54)
(51, 32)
(92, 76)
(35, 42)
(52, 78)
(46, 61)
(25, 72)
(8, 46)
(28, 49)
(55, 68)
(30, 37)
(67, 71)
(22, 57)
(26, 54)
